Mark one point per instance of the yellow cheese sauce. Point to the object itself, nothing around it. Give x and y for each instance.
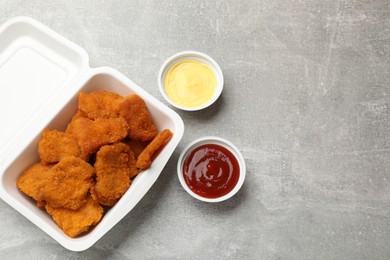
(190, 83)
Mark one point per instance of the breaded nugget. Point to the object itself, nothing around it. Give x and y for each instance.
(137, 146)
(93, 134)
(68, 183)
(33, 180)
(141, 126)
(114, 157)
(114, 166)
(102, 200)
(145, 158)
(69, 127)
(78, 115)
(75, 222)
(99, 104)
(56, 145)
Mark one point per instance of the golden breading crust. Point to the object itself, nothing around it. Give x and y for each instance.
(75, 222)
(76, 116)
(99, 104)
(93, 134)
(68, 183)
(141, 126)
(114, 165)
(33, 180)
(137, 146)
(145, 158)
(56, 145)
(102, 200)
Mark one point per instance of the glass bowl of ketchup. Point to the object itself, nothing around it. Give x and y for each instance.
(211, 169)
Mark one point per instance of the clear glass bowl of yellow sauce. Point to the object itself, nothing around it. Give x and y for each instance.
(190, 80)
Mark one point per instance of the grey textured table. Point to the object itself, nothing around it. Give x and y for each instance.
(306, 100)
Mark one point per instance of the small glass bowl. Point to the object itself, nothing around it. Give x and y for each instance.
(190, 55)
(212, 140)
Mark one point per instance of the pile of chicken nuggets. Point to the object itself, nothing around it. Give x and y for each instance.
(91, 165)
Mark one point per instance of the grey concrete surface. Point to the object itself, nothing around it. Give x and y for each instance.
(306, 100)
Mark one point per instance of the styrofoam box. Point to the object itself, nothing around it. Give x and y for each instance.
(41, 74)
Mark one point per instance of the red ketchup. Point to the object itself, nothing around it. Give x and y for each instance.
(211, 171)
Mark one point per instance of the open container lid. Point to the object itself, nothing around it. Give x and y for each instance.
(37, 68)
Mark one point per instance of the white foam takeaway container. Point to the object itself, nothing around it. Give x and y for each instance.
(41, 74)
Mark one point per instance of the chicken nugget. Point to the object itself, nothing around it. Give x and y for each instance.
(75, 222)
(71, 127)
(99, 104)
(145, 158)
(102, 200)
(56, 145)
(78, 115)
(114, 157)
(33, 180)
(68, 183)
(114, 165)
(93, 134)
(137, 146)
(141, 126)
